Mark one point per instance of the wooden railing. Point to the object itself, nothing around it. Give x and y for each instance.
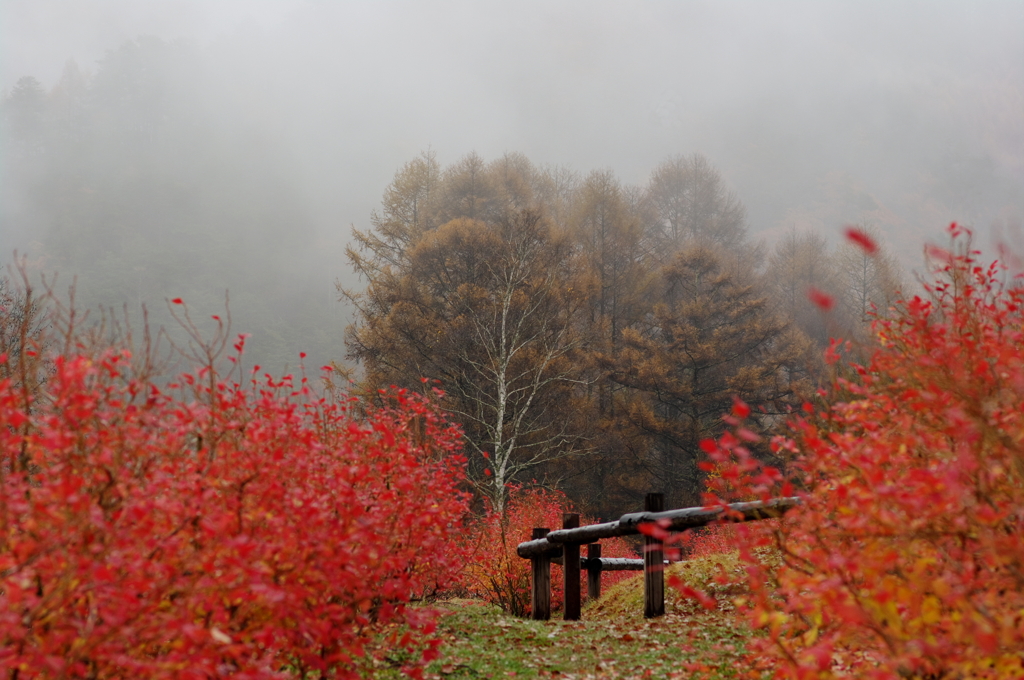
(563, 546)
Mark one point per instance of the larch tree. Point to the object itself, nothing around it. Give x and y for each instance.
(870, 279)
(711, 338)
(612, 242)
(557, 188)
(802, 262)
(470, 190)
(618, 268)
(691, 201)
(407, 212)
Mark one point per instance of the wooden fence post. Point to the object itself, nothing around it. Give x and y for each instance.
(654, 564)
(540, 593)
(594, 571)
(571, 569)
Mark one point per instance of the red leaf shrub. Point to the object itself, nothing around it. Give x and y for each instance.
(497, 574)
(213, 529)
(906, 559)
(714, 539)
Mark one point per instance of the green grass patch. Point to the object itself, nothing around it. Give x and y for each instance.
(612, 641)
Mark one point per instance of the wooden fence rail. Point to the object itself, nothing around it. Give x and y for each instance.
(563, 547)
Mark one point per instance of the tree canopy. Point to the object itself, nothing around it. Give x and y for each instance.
(587, 335)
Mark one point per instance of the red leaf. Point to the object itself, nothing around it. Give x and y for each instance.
(739, 408)
(748, 435)
(861, 239)
(934, 252)
(705, 600)
(177, 301)
(653, 530)
(821, 299)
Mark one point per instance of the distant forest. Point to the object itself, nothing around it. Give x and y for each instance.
(143, 183)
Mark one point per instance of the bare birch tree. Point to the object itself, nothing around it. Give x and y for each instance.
(489, 310)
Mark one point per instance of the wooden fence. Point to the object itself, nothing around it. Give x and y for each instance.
(563, 546)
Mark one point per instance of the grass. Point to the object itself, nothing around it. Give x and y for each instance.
(612, 641)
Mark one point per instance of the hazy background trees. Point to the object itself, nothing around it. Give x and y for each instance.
(868, 280)
(132, 186)
(799, 262)
(24, 322)
(692, 203)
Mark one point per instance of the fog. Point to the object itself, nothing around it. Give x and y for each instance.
(280, 123)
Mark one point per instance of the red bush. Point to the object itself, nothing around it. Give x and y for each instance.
(906, 559)
(498, 575)
(713, 539)
(242, 531)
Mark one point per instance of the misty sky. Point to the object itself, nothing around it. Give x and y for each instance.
(775, 93)
(809, 109)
